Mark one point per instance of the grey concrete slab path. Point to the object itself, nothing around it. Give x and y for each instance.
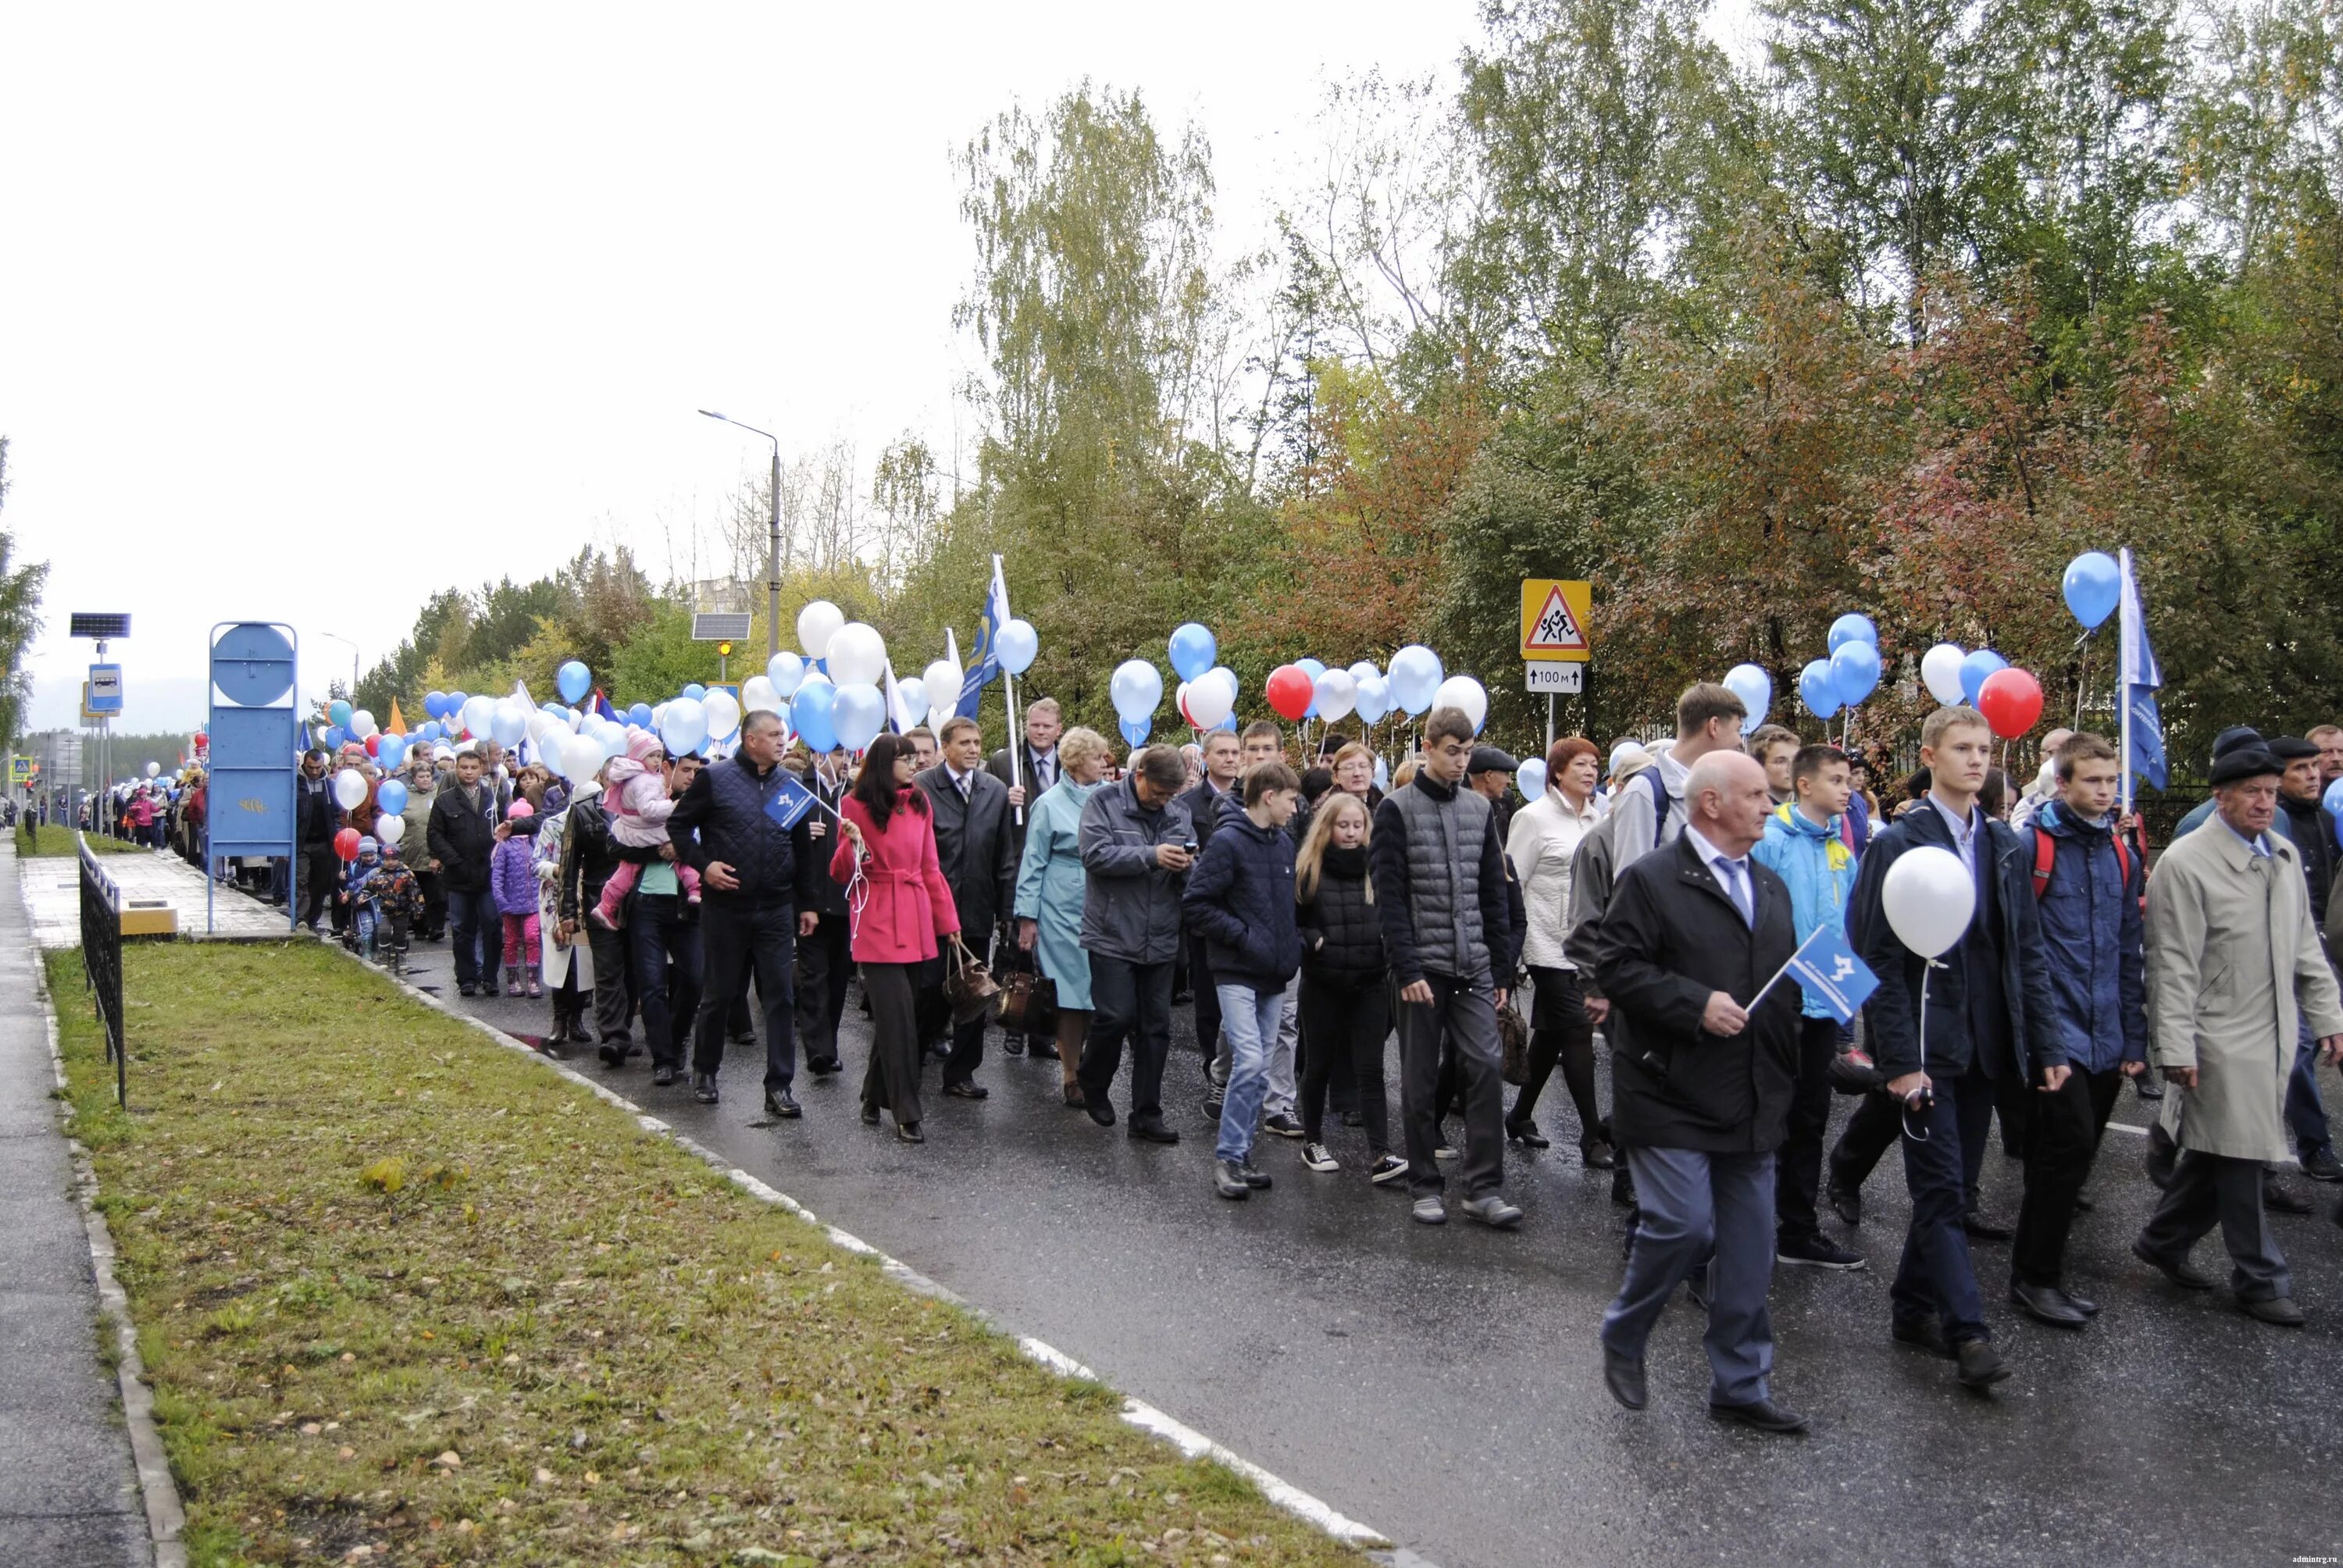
(68, 1493)
(52, 892)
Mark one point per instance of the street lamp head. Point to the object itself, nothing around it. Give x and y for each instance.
(712, 414)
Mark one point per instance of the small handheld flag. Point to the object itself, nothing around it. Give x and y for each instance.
(1827, 970)
(791, 802)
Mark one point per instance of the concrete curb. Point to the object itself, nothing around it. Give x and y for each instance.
(1190, 1442)
(166, 1518)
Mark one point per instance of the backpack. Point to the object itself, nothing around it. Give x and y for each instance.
(1659, 804)
(2045, 856)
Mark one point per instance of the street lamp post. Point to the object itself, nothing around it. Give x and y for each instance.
(773, 544)
(346, 643)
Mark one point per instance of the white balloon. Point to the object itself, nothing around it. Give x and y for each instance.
(785, 670)
(362, 724)
(1928, 898)
(759, 694)
(1210, 700)
(942, 680)
(479, 712)
(1940, 672)
(1338, 693)
(349, 788)
(912, 698)
(817, 624)
(580, 757)
(1531, 778)
(723, 711)
(389, 828)
(857, 655)
(1363, 670)
(1464, 693)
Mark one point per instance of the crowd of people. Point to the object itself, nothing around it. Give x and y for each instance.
(1312, 915)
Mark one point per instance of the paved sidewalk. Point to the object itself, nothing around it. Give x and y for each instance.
(69, 1495)
(52, 886)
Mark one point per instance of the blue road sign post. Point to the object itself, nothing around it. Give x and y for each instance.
(256, 738)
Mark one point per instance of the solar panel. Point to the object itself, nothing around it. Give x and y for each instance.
(87, 625)
(714, 627)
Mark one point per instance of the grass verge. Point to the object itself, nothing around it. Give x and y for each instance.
(400, 1290)
(53, 840)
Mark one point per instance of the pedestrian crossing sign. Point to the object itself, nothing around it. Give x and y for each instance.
(1553, 620)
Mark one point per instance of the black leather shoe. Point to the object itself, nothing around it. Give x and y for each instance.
(1102, 1111)
(823, 1066)
(1847, 1202)
(909, 1132)
(739, 1040)
(2083, 1204)
(1981, 1365)
(780, 1103)
(2279, 1200)
(663, 1076)
(2180, 1270)
(2147, 1086)
(1596, 1154)
(1624, 1375)
(1981, 1229)
(870, 1116)
(703, 1087)
(2046, 1304)
(2083, 1305)
(1623, 1188)
(1920, 1333)
(2278, 1311)
(967, 1092)
(1151, 1130)
(1228, 1180)
(1073, 1096)
(1762, 1414)
(1527, 1135)
(1013, 1045)
(1042, 1049)
(2322, 1166)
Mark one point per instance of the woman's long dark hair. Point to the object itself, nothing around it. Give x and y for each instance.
(875, 785)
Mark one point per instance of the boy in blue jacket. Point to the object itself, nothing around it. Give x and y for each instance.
(1804, 845)
(2088, 885)
(1239, 901)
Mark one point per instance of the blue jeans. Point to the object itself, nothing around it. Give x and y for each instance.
(2306, 1115)
(1691, 1206)
(475, 928)
(1250, 1018)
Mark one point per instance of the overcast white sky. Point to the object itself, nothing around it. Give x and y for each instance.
(309, 311)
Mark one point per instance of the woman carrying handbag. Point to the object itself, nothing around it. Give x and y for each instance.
(898, 907)
(1051, 887)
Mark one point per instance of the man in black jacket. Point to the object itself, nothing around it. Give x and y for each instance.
(1035, 772)
(589, 857)
(2299, 801)
(1701, 1080)
(315, 819)
(1990, 1019)
(977, 850)
(1439, 872)
(754, 877)
(1218, 784)
(461, 833)
(824, 959)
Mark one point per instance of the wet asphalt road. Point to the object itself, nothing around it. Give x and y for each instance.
(1443, 1385)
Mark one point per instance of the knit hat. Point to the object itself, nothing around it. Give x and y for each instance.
(519, 811)
(368, 846)
(2238, 735)
(641, 743)
(2240, 763)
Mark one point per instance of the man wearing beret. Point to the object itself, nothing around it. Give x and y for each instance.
(2234, 963)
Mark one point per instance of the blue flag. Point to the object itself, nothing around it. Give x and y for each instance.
(790, 803)
(2143, 725)
(986, 666)
(1828, 971)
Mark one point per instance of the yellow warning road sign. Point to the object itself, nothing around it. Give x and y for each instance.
(1553, 620)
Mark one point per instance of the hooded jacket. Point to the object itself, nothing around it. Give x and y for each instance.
(1817, 867)
(1239, 898)
(2092, 937)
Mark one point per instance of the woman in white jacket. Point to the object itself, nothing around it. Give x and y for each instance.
(1545, 835)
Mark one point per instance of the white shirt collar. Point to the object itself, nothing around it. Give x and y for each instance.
(1709, 853)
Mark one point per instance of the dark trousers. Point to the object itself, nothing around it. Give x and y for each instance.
(2213, 1188)
(1799, 1165)
(665, 944)
(2305, 1116)
(740, 940)
(1701, 1210)
(892, 1081)
(614, 1003)
(968, 1038)
(317, 869)
(1865, 1141)
(434, 904)
(1935, 1277)
(1560, 1033)
(477, 926)
(1345, 1022)
(2062, 1136)
(1208, 1000)
(1128, 1001)
(1465, 1014)
(824, 962)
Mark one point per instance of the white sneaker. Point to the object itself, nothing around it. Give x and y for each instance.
(1387, 1169)
(1319, 1158)
(1444, 1152)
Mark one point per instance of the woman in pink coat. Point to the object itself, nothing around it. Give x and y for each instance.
(901, 906)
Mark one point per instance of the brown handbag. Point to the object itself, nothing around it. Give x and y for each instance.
(968, 986)
(1513, 1041)
(1029, 1005)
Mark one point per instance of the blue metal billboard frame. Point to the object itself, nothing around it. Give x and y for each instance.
(256, 738)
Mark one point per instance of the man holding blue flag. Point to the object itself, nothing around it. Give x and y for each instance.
(1803, 846)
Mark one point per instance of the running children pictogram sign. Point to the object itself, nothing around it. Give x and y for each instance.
(1553, 620)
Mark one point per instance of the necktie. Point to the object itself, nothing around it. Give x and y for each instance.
(963, 780)
(1041, 767)
(1736, 889)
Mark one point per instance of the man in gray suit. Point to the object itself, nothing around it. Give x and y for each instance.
(977, 847)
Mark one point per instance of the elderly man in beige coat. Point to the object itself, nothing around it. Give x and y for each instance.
(2232, 954)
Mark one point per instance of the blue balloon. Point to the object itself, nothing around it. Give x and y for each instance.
(2093, 583)
(431, 730)
(1975, 669)
(1814, 688)
(435, 703)
(339, 712)
(574, 680)
(640, 714)
(1852, 628)
(2334, 803)
(336, 737)
(1229, 722)
(390, 751)
(1855, 671)
(695, 691)
(391, 796)
(1193, 650)
(1135, 729)
(809, 713)
(1313, 669)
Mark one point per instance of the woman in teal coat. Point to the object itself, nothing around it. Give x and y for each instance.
(1049, 883)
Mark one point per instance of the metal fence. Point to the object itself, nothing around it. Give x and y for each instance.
(101, 961)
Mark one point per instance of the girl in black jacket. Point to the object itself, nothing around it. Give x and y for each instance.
(1344, 1007)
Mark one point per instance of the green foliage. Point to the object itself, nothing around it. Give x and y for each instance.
(20, 620)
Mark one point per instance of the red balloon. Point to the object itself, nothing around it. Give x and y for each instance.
(374, 745)
(2011, 701)
(1290, 691)
(346, 843)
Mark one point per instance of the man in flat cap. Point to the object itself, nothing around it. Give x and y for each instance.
(2234, 961)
